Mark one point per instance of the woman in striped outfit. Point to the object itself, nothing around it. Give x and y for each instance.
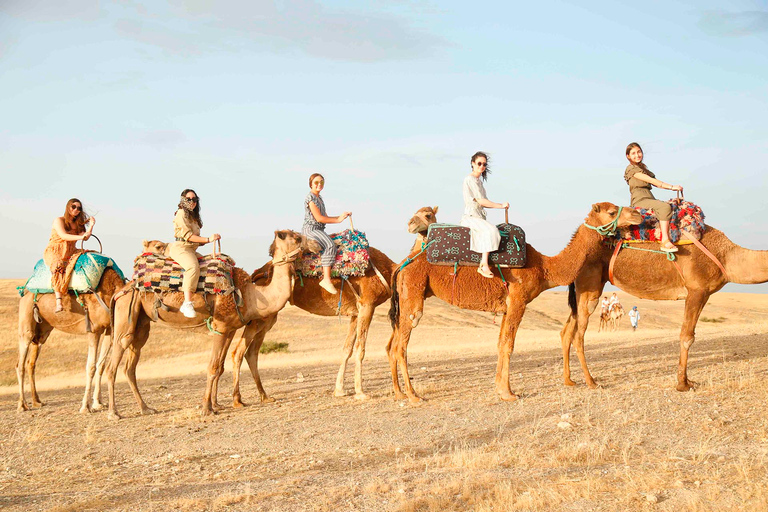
(484, 236)
(315, 219)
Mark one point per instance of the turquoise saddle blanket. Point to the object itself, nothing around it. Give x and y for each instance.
(85, 278)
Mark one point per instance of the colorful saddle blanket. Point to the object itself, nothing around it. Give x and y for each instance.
(158, 273)
(448, 244)
(351, 257)
(89, 268)
(685, 216)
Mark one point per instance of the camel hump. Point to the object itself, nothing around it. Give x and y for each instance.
(449, 244)
(686, 216)
(352, 258)
(157, 273)
(85, 270)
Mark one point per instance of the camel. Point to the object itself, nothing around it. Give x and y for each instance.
(222, 318)
(72, 320)
(359, 305)
(650, 276)
(612, 317)
(469, 290)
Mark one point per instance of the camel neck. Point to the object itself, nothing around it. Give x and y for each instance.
(744, 266)
(263, 301)
(562, 269)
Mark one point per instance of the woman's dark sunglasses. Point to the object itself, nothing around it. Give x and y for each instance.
(191, 199)
(75, 207)
(482, 164)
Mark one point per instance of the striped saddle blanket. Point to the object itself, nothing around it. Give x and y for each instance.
(448, 244)
(351, 257)
(685, 216)
(89, 268)
(157, 273)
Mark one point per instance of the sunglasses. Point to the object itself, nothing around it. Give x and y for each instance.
(481, 164)
(191, 199)
(75, 207)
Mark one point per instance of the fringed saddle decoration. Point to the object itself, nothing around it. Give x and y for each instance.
(448, 244)
(157, 273)
(89, 266)
(685, 216)
(351, 257)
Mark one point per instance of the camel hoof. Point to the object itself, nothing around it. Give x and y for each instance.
(593, 385)
(508, 397)
(146, 411)
(85, 409)
(237, 404)
(415, 399)
(267, 399)
(97, 406)
(37, 403)
(686, 386)
(569, 382)
(361, 396)
(399, 395)
(22, 407)
(339, 393)
(113, 416)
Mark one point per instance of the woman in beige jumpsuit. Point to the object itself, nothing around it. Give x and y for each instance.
(186, 230)
(640, 179)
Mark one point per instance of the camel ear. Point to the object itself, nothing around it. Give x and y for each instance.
(595, 207)
(280, 235)
(434, 209)
(145, 243)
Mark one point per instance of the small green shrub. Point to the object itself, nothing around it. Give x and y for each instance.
(273, 346)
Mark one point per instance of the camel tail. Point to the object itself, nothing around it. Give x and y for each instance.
(394, 302)
(572, 299)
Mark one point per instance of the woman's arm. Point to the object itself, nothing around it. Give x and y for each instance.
(325, 219)
(58, 225)
(656, 183)
(195, 239)
(485, 203)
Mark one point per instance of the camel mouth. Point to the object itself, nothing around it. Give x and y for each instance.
(416, 228)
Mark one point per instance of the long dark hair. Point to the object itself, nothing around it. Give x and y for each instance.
(74, 224)
(636, 145)
(487, 164)
(192, 214)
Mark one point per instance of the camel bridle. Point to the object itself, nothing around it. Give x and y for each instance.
(288, 257)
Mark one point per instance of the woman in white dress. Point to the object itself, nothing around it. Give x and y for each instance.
(484, 236)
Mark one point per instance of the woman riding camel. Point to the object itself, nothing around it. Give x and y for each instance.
(315, 219)
(65, 233)
(186, 230)
(640, 179)
(484, 236)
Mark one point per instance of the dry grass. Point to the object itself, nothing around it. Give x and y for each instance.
(633, 444)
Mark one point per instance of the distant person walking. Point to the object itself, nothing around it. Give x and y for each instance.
(634, 317)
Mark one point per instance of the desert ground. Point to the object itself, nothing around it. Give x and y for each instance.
(635, 443)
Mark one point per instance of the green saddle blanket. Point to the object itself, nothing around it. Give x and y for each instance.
(89, 268)
(448, 244)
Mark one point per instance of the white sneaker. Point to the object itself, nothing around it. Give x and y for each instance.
(188, 310)
(328, 286)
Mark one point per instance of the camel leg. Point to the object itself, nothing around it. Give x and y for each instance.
(349, 346)
(134, 354)
(694, 304)
(588, 302)
(30, 333)
(392, 357)
(252, 353)
(509, 324)
(237, 362)
(123, 334)
(101, 364)
(90, 369)
(401, 352)
(567, 335)
(222, 358)
(32, 357)
(363, 324)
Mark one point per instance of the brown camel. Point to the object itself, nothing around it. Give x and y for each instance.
(650, 276)
(359, 305)
(611, 317)
(222, 317)
(72, 320)
(469, 290)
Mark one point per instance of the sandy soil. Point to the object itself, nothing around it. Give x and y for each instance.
(633, 444)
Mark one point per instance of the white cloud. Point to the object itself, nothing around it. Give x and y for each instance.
(736, 24)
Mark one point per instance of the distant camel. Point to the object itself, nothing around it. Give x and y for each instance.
(72, 320)
(359, 305)
(469, 290)
(132, 313)
(611, 317)
(650, 276)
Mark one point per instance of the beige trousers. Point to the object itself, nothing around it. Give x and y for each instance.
(661, 209)
(184, 254)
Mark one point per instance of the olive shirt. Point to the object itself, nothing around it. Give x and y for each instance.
(642, 197)
(183, 228)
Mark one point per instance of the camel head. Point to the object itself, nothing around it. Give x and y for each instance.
(154, 246)
(605, 214)
(421, 220)
(287, 245)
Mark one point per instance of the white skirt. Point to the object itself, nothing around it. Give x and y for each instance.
(484, 236)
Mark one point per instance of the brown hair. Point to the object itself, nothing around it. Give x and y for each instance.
(487, 165)
(74, 224)
(631, 146)
(193, 214)
(315, 175)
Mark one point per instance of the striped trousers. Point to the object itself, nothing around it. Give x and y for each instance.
(329, 248)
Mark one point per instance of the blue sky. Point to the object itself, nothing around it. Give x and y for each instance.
(124, 104)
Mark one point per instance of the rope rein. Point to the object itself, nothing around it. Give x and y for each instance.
(610, 228)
